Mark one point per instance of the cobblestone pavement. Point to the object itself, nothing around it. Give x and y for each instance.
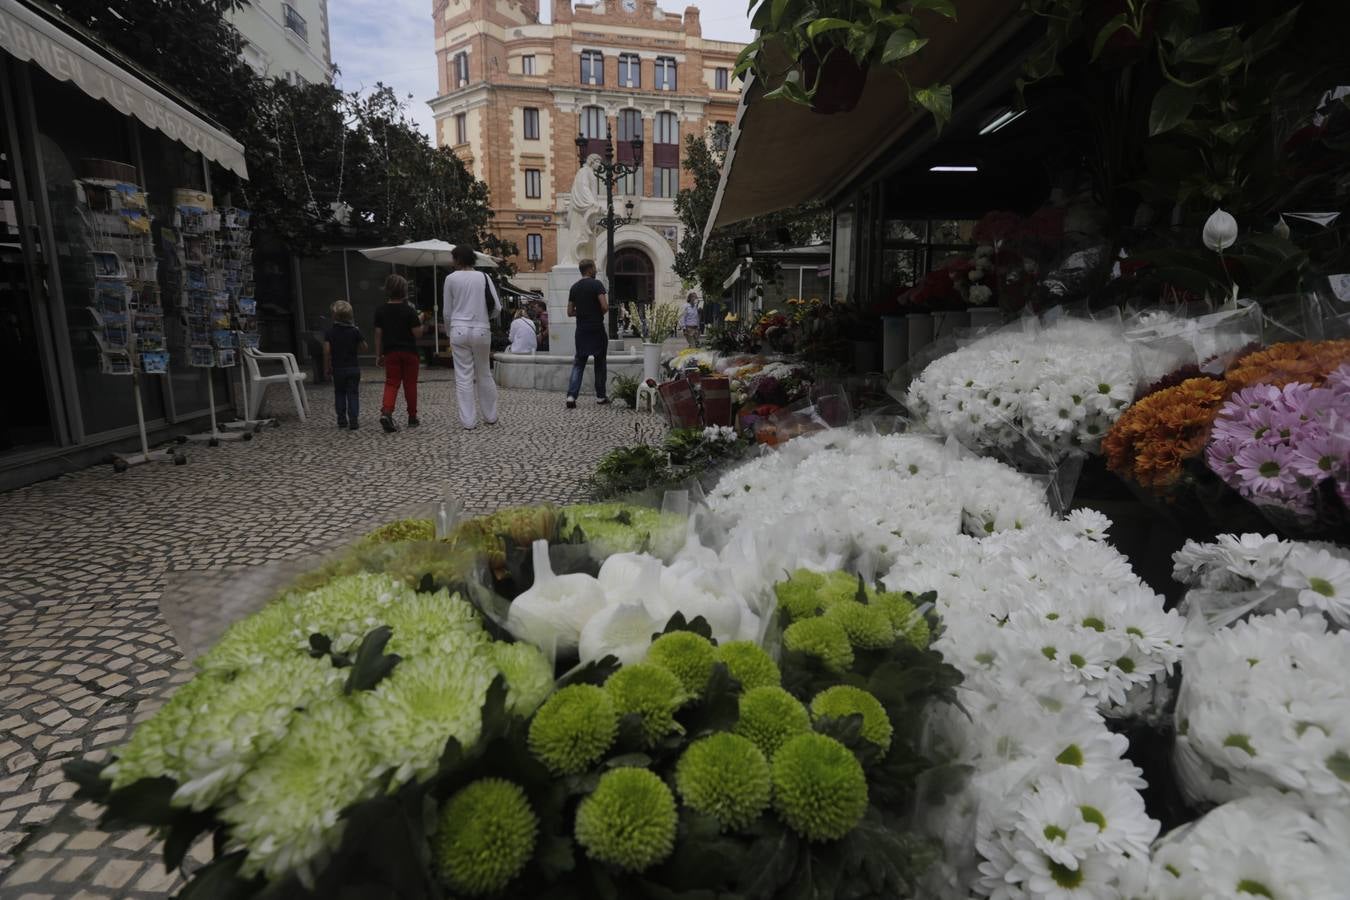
(84, 650)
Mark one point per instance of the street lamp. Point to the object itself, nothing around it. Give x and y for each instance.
(611, 172)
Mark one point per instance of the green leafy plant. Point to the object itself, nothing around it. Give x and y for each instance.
(624, 388)
(798, 38)
(663, 322)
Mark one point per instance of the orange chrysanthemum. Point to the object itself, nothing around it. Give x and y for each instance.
(1309, 362)
(1153, 438)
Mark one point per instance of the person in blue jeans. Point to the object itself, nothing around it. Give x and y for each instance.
(588, 303)
(341, 344)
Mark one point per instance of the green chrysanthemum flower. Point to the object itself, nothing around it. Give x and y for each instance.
(798, 595)
(749, 664)
(867, 627)
(347, 609)
(725, 776)
(423, 703)
(573, 728)
(288, 809)
(844, 700)
(612, 528)
(819, 788)
(629, 820)
(822, 638)
(402, 530)
(905, 618)
(687, 656)
(486, 836)
(433, 623)
(769, 716)
(529, 675)
(840, 587)
(651, 692)
(156, 746)
(267, 634)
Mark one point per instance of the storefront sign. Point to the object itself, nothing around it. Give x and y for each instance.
(29, 37)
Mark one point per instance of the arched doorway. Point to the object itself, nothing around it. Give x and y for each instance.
(634, 277)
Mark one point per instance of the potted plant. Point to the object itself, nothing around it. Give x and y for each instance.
(665, 318)
(818, 52)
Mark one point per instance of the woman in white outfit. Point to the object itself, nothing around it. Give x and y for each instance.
(524, 339)
(470, 300)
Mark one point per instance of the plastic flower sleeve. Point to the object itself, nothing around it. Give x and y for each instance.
(1164, 342)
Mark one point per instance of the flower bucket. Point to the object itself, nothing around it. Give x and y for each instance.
(716, 400)
(651, 361)
(842, 80)
(677, 398)
(920, 332)
(894, 347)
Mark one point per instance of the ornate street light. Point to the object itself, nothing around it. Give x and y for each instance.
(610, 173)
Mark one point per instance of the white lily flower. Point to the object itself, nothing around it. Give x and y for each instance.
(1220, 232)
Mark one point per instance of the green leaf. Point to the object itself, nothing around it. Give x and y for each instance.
(1210, 48)
(596, 672)
(937, 100)
(941, 7)
(901, 44)
(145, 802)
(778, 8)
(372, 664)
(822, 26)
(1171, 106)
(768, 863)
(1108, 31)
(1270, 35)
(698, 626)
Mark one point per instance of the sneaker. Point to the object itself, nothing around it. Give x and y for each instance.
(352, 427)
(571, 402)
(342, 423)
(387, 423)
(412, 422)
(602, 401)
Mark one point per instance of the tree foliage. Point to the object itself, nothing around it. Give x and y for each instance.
(310, 147)
(710, 266)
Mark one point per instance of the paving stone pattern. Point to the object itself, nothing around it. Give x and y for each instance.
(84, 650)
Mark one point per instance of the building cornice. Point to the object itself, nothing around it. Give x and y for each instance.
(571, 99)
(471, 97)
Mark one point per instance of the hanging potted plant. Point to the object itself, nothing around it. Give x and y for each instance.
(819, 52)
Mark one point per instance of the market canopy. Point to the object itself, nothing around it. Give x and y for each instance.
(829, 152)
(30, 36)
(424, 253)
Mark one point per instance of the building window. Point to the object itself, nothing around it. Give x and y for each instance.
(527, 64)
(461, 128)
(630, 127)
(593, 123)
(630, 70)
(665, 73)
(461, 69)
(720, 79)
(532, 186)
(592, 67)
(295, 22)
(534, 247)
(721, 135)
(531, 124)
(667, 128)
(665, 181)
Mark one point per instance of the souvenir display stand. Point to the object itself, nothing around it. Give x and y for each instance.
(238, 263)
(126, 305)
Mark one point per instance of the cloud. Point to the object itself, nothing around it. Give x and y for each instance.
(393, 42)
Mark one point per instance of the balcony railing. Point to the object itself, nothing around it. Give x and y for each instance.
(296, 22)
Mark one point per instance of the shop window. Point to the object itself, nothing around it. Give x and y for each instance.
(461, 128)
(592, 67)
(630, 70)
(295, 22)
(527, 64)
(534, 247)
(533, 187)
(531, 124)
(720, 79)
(664, 79)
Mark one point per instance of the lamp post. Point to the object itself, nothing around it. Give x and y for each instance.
(610, 172)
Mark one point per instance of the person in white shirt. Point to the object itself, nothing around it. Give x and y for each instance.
(470, 301)
(523, 336)
(689, 320)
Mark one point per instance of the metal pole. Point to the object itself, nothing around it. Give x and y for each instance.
(609, 253)
(140, 412)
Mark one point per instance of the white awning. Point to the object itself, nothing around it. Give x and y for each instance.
(30, 37)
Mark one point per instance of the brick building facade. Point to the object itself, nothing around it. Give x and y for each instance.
(515, 93)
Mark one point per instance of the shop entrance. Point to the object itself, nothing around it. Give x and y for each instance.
(634, 277)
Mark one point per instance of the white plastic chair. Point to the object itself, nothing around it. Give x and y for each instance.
(290, 375)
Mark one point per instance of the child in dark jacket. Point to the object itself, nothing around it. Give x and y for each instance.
(341, 344)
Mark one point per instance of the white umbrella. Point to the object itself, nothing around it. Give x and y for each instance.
(426, 253)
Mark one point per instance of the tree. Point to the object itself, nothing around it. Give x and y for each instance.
(710, 266)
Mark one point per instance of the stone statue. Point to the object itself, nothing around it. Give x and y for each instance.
(576, 237)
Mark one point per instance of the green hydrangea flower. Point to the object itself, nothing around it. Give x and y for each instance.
(905, 619)
(749, 664)
(819, 788)
(867, 627)
(769, 716)
(725, 776)
(573, 728)
(486, 836)
(651, 692)
(844, 700)
(629, 821)
(529, 675)
(687, 656)
(797, 596)
(822, 638)
(402, 530)
(287, 811)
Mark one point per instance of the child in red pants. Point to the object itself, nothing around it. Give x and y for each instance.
(397, 328)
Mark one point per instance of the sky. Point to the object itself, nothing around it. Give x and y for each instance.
(391, 41)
